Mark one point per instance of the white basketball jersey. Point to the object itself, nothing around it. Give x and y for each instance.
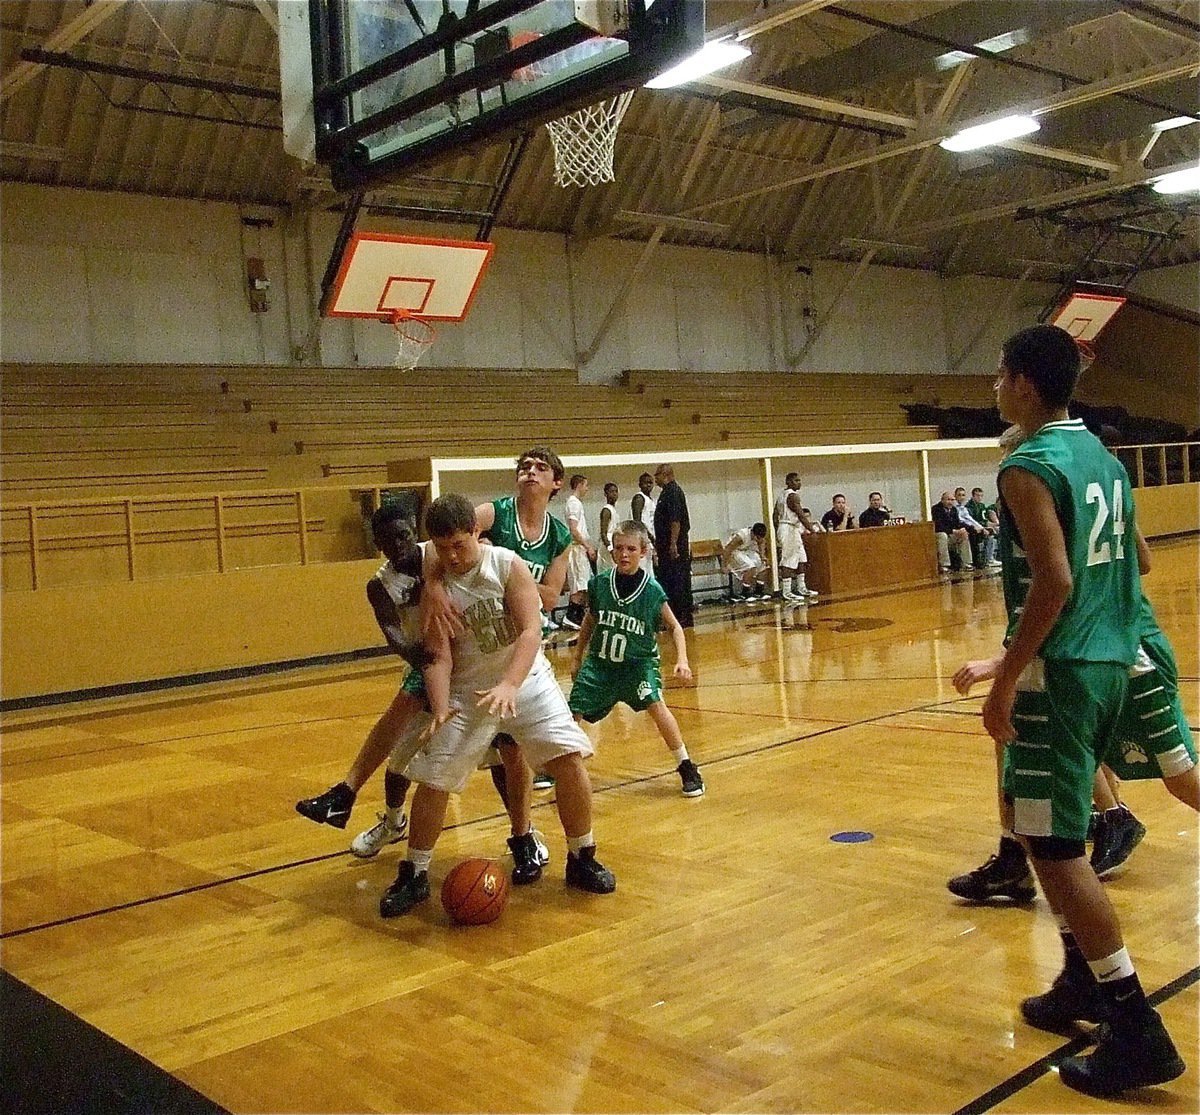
(788, 517)
(648, 514)
(482, 652)
(575, 511)
(401, 588)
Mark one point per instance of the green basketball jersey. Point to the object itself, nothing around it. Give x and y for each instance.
(1094, 504)
(625, 626)
(538, 554)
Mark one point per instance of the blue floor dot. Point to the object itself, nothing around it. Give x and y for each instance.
(852, 837)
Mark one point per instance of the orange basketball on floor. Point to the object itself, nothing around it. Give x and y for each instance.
(475, 892)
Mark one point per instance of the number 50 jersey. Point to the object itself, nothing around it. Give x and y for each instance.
(1094, 505)
(482, 652)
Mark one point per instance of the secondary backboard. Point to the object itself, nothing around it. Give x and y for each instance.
(381, 275)
(397, 83)
(1085, 315)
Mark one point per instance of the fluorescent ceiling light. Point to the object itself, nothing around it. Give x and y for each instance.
(1174, 122)
(712, 56)
(997, 44)
(1181, 182)
(985, 135)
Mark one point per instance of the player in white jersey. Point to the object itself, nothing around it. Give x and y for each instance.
(744, 556)
(790, 522)
(581, 554)
(495, 672)
(642, 507)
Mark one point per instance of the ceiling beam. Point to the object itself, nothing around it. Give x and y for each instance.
(64, 36)
(1129, 177)
(796, 9)
(923, 135)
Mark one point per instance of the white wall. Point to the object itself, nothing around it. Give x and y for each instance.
(1178, 285)
(117, 278)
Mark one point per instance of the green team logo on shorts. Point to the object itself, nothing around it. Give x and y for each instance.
(645, 690)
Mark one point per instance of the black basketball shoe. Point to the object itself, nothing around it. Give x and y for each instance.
(410, 889)
(689, 776)
(1005, 875)
(588, 873)
(1073, 997)
(330, 808)
(1126, 1057)
(527, 860)
(1118, 832)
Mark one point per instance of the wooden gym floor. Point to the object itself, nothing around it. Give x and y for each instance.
(157, 884)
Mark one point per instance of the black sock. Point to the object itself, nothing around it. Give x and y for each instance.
(395, 788)
(1011, 851)
(1126, 1001)
(500, 781)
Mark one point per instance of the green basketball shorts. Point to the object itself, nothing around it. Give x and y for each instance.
(1065, 714)
(600, 685)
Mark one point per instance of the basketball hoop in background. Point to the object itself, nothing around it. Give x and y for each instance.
(409, 282)
(414, 336)
(1087, 354)
(1084, 315)
(584, 140)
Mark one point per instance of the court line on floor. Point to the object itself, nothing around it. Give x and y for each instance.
(1006, 1089)
(325, 857)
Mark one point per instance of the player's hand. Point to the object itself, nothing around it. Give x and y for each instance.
(500, 700)
(437, 721)
(591, 552)
(683, 671)
(438, 612)
(982, 669)
(997, 713)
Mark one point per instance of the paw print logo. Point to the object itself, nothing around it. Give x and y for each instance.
(1132, 753)
(643, 690)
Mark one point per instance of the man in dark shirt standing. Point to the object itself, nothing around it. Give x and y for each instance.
(671, 526)
(876, 514)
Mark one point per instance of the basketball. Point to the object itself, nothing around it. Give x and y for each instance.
(475, 892)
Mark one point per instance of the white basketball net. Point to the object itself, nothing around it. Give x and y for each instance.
(413, 338)
(583, 142)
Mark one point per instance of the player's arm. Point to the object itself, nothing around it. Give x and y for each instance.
(726, 550)
(437, 680)
(667, 617)
(1051, 581)
(1143, 552)
(438, 612)
(583, 641)
(793, 501)
(523, 607)
(606, 527)
(387, 615)
(577, 536)
(553, 580)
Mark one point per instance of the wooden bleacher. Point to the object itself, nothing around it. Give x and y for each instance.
(75, 431)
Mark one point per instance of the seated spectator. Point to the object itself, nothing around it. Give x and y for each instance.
(745, 556)
(954, 547)
(838, 517)
(986, 515)
(876, 515)
(976, 531)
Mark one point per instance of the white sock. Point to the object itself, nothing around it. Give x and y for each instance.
(393, 815)
(576, 844)
(1115, 967)
(799, 582)
(420, 860)
(679, 754)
